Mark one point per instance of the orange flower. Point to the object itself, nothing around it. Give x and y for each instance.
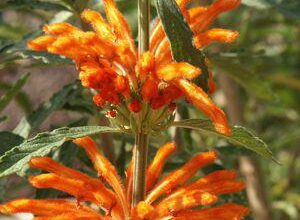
(172, 197)
(108, 62)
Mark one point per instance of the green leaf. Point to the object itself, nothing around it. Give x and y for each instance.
(21, 98)
(181, 38)
(8, 140)
(16, 159)
(31, 4)
(240, 136)
(57, 101)
(8, 97)
(252, 82)
(45, 57)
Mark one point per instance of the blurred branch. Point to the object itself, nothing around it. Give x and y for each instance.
(288, 81)
(249, 166)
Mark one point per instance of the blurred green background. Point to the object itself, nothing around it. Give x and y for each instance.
(259, 86)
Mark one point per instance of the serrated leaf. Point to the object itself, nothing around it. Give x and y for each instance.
(17, 158)
(9, 96)
(57, 101)
(250, 81)
(180, 36)
(9, 140)
(240, 136)
(44, 57)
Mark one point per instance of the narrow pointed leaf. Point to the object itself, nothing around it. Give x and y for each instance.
(9, 96)
(240, 136)
(17, 158)
(180, 36)
(57, 101)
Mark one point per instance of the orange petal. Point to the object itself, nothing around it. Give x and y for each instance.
(61, 29)
(195, 12)
(68, 47)
(223, 212)
(156, 36)
(129, 177)
(105, 169)
(143, 211)
(103, 29)
(70, 216)
(155, 168)
(44, 207)
(224, 187)
(181, 175)
(221, 176)
(77, 188)
(149, 89)
(216, 34)
(201, 21)
(225, 5)
(178, 70)
(182, 3)
(49, 165)
(163, 53)
(190, 199)
(171, 93)
(120, 26)
(129, 181)
(211, 84)
(145, 66)
(41, 43)
(201, 100)
(103, 196)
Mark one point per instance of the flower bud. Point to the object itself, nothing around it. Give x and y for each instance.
(134, 106)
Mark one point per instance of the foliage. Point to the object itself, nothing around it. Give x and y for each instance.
(181, 38)
(264, 62)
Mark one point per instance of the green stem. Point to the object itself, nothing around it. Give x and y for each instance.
(144, 23)
(141, 139)
(140, 167)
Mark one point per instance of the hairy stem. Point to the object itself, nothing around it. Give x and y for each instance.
(140, 166)
(144, 23)
(141, 140)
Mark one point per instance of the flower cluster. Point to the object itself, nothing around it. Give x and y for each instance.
(171, 197)
(109, 63)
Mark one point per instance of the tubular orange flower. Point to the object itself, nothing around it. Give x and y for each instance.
(173, 197)
(108, 61)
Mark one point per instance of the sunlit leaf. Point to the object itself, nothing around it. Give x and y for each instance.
(240, 136)
(9, 140)
(16, 159)
(181, 38)
(44, 57)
